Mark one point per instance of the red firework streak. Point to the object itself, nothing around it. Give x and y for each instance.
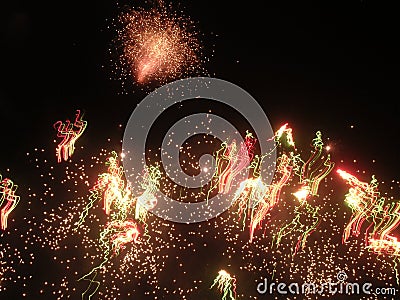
(273, 196)
(69, 132)
(7, 196)
(237, 161)
(127, 232)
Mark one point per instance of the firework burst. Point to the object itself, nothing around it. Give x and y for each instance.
(156, 45)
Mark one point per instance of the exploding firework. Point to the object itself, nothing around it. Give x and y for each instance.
(156, 45)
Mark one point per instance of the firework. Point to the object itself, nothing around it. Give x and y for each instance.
(250, 193)
(275, 189)
(156, 45)
(256, 199)
(110, 187)
(226, 284)
(69, 133)
(113, 239)
(317, 167)
(301, 212)
(253, 197)
(390, 245)
(122, 263)
(119, 204)
(284, 130)
(369, 207)
(230, 161)
(363, 198)
(147, 200)
(311, 173)
(7, 196)
(111, 184)
(127, 231)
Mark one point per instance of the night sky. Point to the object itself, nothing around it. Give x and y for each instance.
(330, 67)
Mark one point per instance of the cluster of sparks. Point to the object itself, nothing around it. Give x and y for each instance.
(253, 196)
(156, 45)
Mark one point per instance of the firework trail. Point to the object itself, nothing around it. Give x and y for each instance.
(70, 133)
(132, 264)
(128, 264)
(147, 200)
(226, 284)
(249, 195)
(312, 172)
(119, 204)
(127, 231)
(264, 206)
(230, 161)
(253, 197)
(111, 184)
(364, 200)
(156, 45)
(113, 239)
(381, 218)
(7, 196)
(256, 199)
(306, 229)
(317, 167)
(110, 187)
(288, 132)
